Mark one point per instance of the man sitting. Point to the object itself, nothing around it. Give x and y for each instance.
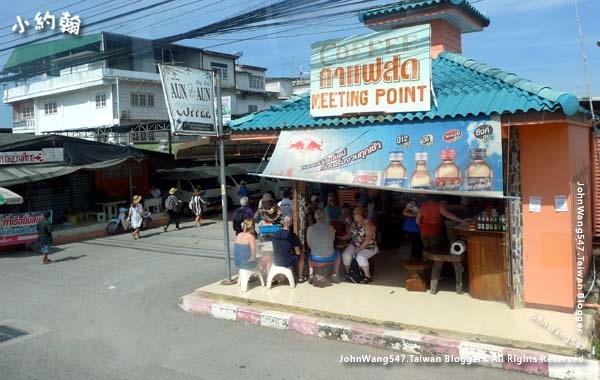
(286, 249)
(320, 237)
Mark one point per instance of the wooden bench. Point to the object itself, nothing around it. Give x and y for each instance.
(438, 258)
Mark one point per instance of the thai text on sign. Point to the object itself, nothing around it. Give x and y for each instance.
(379, 72)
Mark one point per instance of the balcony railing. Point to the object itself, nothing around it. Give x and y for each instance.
(23, 126)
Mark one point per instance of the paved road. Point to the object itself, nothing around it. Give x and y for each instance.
(107, 309)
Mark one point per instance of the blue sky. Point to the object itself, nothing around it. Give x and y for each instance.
(535, 39)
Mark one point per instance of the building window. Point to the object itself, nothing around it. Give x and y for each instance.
(142, 100)
(100, 100)
(252, 108)
(27, 111)
(50, 108)
(257, 82)
(221, 69)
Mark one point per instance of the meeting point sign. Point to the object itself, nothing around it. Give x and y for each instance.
(384, 72)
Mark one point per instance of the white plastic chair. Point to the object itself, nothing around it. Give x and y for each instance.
(275, 270)
(244, 278)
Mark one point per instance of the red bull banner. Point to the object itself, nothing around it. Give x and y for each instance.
(19, 228)
(460, 157)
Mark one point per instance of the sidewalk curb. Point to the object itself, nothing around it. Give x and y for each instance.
(412, 347)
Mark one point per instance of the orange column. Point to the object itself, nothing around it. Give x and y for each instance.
(549, 257)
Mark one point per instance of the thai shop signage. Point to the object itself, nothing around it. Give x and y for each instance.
(32, 156)
(380, 72)
(19, 228)
(461, 157)
(190, 97)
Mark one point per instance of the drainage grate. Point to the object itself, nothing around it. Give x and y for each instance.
(8, 333)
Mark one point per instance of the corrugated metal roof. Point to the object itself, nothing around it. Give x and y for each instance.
(30, 53)
(463, 87)
(408, 5)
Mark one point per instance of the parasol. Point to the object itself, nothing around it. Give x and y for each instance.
(9, 197)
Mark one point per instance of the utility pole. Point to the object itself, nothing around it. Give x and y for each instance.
(221, 137)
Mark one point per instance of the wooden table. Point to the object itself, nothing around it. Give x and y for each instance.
(486, 264)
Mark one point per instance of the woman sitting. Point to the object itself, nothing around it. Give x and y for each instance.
(244, 248)
(363, 245)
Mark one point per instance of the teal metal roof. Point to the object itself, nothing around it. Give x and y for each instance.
(374, 13)
(463, 87)
(32, 52)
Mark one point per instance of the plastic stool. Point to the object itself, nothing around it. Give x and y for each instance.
(275, 270)
(244, 277)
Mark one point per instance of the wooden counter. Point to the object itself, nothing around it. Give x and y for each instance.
(486, 263)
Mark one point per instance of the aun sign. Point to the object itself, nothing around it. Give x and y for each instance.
(384, 72)
(190, 97)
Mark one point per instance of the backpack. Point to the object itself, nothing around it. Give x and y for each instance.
(238, 218)
(170, 202)
(355, 274)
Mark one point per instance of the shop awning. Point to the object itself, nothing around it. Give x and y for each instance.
(18, 174)
(457, 157)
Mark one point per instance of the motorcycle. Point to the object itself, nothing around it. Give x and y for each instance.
(120, 223)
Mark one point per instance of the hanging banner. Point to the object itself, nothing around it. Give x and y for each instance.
(32, 156)
(190, 97)
(460, 157)
(380, 72)
(19, 228)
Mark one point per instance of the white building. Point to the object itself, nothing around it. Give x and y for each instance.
(102, 85)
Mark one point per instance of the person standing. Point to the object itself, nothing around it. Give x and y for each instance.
(244, 190)
(287, 250)
(240, 214)
(44, 230)
(135, 216)
(412, 230)
(196, 205)
(429, 220)
(172, 205)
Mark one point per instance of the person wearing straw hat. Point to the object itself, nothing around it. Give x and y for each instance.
(172, 205)
(135, 216)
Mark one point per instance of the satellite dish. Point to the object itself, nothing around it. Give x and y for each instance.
(238, 53)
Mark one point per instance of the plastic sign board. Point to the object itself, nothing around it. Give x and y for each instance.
(384, 72)
(460, 157)
(19, 228)
(190, 97)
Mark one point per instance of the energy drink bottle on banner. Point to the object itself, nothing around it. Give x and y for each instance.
(395, 173)
(420, 179)
(478, 174)
(447, 174)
